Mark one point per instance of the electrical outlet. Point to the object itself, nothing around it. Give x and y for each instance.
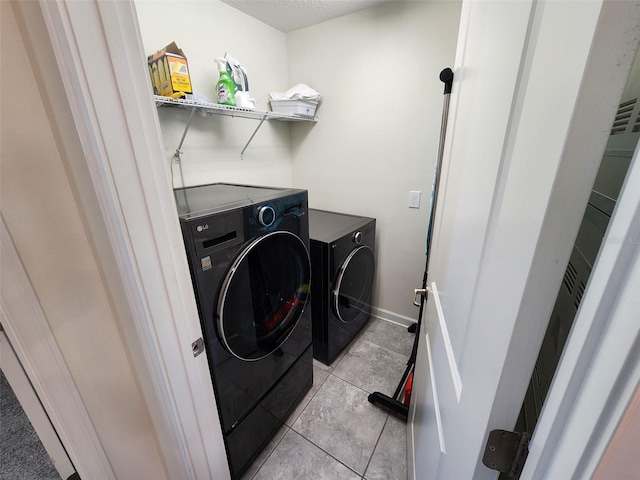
(414, 199)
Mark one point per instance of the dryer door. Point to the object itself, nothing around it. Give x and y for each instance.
(263, 295)
(352, 288)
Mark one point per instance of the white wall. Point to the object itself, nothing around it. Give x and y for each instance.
(47, 225)
(379, 126)
(205, 30)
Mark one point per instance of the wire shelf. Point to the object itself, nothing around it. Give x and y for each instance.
(208, 109)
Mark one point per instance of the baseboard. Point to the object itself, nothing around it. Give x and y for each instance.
(393, 317)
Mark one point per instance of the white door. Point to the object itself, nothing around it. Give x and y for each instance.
(535, 90)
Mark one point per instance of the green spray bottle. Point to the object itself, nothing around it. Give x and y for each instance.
(225, 88)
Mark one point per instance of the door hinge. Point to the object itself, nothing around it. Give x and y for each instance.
(506, 452)
(197, 347)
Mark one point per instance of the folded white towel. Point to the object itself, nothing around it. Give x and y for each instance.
(297, 92)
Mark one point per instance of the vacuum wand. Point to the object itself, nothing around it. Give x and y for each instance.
(446, 76)
(393, 403)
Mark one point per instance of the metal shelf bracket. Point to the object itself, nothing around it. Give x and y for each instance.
(176, 156)
(252, 135)
(215, 109)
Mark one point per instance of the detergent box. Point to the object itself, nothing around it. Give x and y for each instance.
(169, 72)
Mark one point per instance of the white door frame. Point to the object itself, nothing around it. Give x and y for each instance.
(36, 348)
(32, 407)
(92, 51)
(599, 369)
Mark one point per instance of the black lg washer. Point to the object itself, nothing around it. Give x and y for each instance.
(248, 254)
(343, 264)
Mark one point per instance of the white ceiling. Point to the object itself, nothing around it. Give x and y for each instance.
(289, 15)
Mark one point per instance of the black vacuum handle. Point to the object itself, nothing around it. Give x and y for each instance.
(446, 76)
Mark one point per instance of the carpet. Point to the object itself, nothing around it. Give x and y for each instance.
(22, 456)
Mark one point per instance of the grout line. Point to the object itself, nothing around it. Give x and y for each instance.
(349, 383)
(374, 447)
(289, 428)
(312, 397)
(373, 452)
(355, 339)
(271, 452)
(388, 349)
(403, 327)
(330, 372)
(330, 455)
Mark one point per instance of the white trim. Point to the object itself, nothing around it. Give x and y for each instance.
(389, 316)
(131, 218)
(448, 347)
(436, 402)
(32, 407)
(34, 343)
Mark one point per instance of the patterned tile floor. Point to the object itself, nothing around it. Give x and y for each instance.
(335, 433)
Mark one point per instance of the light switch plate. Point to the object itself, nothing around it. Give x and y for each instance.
(414, 199)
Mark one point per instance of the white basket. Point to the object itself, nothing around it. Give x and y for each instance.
(295, 107)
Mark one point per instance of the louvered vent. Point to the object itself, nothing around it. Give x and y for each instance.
(579, 294)
(636, 126)
(623, 116)
(570, 277)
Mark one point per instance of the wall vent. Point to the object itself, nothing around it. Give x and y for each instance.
(623, 116)
(579, 294)
(636, 126)
(570, 277)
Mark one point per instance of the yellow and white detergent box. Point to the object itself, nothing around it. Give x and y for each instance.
(169, 72)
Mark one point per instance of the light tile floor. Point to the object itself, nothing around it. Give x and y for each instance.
(335, 433)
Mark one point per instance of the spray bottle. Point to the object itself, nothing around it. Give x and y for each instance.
(225, 88)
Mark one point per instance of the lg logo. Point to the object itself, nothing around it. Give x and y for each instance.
(200, 228)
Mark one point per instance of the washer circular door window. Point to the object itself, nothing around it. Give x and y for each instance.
(263, 295)
(352, 287)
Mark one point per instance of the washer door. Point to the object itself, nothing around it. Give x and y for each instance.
(263, 295)
(352, 287)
